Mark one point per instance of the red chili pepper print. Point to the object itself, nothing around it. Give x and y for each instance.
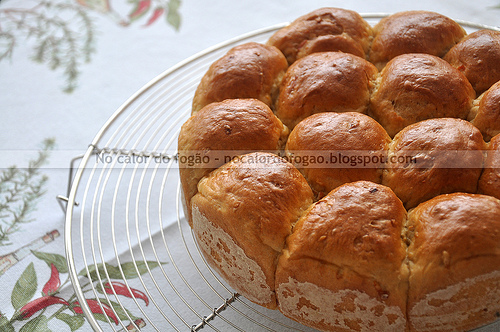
(121, 289)
(43, 302)
(53, 283)
(95, 307)
(156, 14)
(141, 9)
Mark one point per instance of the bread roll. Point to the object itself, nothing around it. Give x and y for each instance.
(242, 214)
(221, 130)
(478, 57)
(434, 157)
(413, 32)
(489, 183)
(485, 114)
(416, 87)
(325, 82)
(343, 268)
(454, 260)
(325, 29)
(251, 70)
(331, 149)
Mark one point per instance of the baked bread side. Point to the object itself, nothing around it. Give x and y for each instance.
(251, 70)
(242, 214)
(454, 260)
(343, 268)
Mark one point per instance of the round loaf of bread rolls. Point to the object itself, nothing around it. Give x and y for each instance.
(322, 30)
(213, 135)
(242, 214)
(325, 82)
(478, 57)
(413, 32)
(251, 70)
(433, 157)
(489, 183)
(485, 114)
(377, 212)
(416, 87)
(343, 267)
(331, 149)
(454, 260)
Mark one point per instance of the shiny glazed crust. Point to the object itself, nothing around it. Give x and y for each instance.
(433, 157)
(325, 29)
(325, 82)
(335, 137)
(251, 70)
(413, 32)
(232, 126)
(478, 57)
(416, 87)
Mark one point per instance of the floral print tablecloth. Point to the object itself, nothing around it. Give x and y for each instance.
(60, 62)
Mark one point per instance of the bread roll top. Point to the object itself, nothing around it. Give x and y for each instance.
(251, 70)
(352, 146)
(325, 82)
(413, 32)
(325, 29)
(434, 157)
(416, 87)
(221, 130)
(477, 55)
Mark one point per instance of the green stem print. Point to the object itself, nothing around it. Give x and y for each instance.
(20, 190)
(35, 314)
(62, 32)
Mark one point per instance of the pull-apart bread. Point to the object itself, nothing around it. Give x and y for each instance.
(348, 175)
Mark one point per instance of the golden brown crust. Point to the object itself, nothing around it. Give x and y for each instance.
(251, 70)
(413, 32)
(415, 87)
(489, 183)
(255, 200)
(239, 125)
(485, 114)
(434, 157)
(478, 57)
(454, 262)
(325, 82)
(325, 29)
(332, 138)
(347, 245)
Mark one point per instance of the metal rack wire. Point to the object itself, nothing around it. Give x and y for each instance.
(124, 219)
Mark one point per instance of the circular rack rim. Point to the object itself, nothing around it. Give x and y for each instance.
(74, 181)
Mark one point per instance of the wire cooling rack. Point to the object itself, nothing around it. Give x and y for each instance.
(125, 225)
